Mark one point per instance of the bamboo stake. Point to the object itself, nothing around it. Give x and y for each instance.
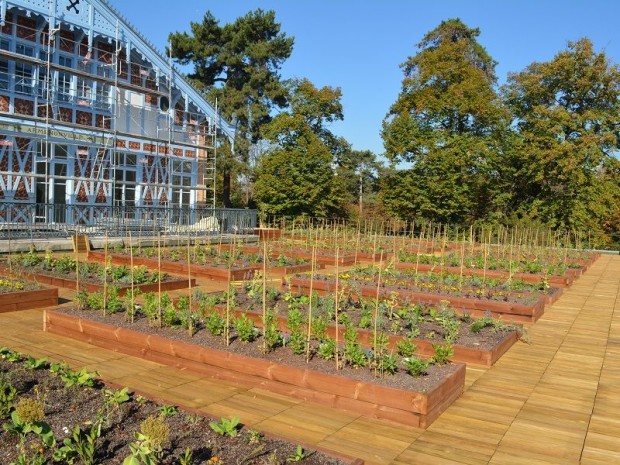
(230, 262)
(336, 310)
(190, 324)
(132, 303)
(264, 295)
(357, 241)
(485, 253)
(77, 264)
(417, 260)
(374, 249)
(105, 273)
(11, 260)
(462, 262)
(159, 315)
(309, 333)
(376, 316)
(510, 259)
(219, 247)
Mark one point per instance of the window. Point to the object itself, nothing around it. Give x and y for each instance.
(64, 87)
(84, 90)
(65, 61)
(61, 151)
(103, 96)
(43, 84)
(4, 44)
(23, 78)
(125, 188)
(23, 49)
(4, 75)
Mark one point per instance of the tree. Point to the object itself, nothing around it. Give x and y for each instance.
(360, 172)
(568, 114)
(297, 177)
(448, 122)
(238, 65)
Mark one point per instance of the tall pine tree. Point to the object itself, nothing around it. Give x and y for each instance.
(238, 65)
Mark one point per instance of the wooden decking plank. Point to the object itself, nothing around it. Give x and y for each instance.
(522, 456)
(416, 457)
(365, 445)
(475, 450)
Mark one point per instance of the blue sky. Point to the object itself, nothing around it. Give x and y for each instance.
(358, 45)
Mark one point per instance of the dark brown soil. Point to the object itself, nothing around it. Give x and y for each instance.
(67, 407)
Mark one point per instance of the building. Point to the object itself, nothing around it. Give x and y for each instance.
(94, 120)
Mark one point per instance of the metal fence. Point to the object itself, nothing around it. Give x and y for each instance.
(20, 220)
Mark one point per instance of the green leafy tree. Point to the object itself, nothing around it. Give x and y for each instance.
(238, 65)
(448, 123)
(297, 177)
(568, 114)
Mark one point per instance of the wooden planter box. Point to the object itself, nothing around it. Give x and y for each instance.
(321, 260)
(462, 354)
(122, 290)
(181, 269)
(408, 407)
(24, 300)
(293, 269)
(268, 234)
(508, 311)
(556, 281)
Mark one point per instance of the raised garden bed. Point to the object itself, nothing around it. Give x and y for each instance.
(412, 407)
(485, 356)
(26, 299)
(169, 284)
(534, 278)
(509, 311)
(29, 382)
(323, 257)
(268, 234)
(64, 272)
(180, 268)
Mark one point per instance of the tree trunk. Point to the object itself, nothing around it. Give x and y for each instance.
(226, 181)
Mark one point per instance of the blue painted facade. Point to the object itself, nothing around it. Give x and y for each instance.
(93, 116)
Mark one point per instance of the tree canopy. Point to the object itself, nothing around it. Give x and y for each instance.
(447, 122)
(567, 111)
(297, 177)
(238, 65)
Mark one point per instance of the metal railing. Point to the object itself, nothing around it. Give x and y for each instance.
(32, 221)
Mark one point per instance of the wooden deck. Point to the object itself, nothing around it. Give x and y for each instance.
(555, 400)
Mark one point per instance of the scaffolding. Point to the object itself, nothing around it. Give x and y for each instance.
(124, 98)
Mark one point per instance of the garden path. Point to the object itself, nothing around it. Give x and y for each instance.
(555, 400)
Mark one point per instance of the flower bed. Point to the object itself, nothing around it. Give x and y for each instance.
(379, 399)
